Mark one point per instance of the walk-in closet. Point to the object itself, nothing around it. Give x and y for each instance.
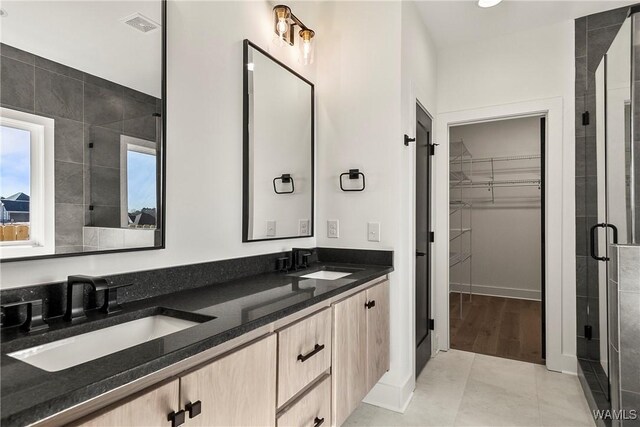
(495, 241)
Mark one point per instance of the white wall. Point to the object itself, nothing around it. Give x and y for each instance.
(359, 127)
(204, 143)
(506, 235)
(367, 90)
(531, 65)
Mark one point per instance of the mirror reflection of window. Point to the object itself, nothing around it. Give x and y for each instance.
(15, 180)
(138, 187)
(26, 226)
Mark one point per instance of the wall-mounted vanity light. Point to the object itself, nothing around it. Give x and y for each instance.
(284, 27)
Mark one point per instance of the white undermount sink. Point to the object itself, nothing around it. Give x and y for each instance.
(327, 275)
(68, 352)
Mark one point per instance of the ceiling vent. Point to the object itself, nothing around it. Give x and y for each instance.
(141, 23)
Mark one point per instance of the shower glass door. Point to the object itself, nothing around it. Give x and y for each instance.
(615, 222)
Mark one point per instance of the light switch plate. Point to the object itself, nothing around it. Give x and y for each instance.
(304, 227)
(373, 231)
(271, 228)
(333, 228)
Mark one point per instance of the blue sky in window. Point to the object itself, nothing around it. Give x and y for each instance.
(15, 161)
(141, 180)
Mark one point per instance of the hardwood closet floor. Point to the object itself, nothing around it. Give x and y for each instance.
(502, 327)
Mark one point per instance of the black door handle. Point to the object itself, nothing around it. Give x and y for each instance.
(317, 349)
(176, 418)
(421, 254)
(369, 305)
(194, 408)
(592, 243)
(317, 422)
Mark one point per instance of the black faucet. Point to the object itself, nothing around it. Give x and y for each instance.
(75, 293)
(301, 257)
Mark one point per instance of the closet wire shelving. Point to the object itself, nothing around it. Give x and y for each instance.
(490, 183)
(464, 176)
(460, 205)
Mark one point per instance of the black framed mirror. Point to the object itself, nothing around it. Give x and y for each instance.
(278, 149)
(82, 152)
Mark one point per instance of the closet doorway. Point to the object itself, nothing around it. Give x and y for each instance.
(496, 237)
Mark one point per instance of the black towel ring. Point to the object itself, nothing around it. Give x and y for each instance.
(353, 174)
(285, 178)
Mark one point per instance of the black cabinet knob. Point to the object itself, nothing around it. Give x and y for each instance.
(176, 418)
(369, 305)
(194, 408)
(317, 422)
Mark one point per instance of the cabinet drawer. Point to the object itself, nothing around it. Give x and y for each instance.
(304, 352)
(313, 409)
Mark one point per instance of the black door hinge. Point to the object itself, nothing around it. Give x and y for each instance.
(585, 118)
(432, 324)
(432, 236)
(588, 332)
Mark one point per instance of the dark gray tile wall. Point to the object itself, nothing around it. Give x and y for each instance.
(624, 330)
(87, 110)
(593, 37)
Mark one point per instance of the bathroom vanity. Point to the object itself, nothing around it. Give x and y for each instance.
(289, 338)
(276, 348)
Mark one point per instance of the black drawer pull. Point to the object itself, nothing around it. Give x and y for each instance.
(317, 422)
(369, 305)
(317, 349)
(194, 408)
(176, 418)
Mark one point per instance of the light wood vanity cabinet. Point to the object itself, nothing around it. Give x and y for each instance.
(304, 353)
(311, 372)
(313, 409)
(360, 348)
(236, 390)
(378, 344)
(148, 409)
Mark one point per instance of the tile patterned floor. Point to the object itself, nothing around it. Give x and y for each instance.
(458, 388)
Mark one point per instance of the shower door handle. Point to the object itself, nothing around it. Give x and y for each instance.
(594, 228)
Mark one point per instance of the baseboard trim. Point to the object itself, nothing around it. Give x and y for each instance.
(496, 291)
(391, 397)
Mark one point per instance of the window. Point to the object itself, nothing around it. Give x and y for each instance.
(138, 179)
(26, 184)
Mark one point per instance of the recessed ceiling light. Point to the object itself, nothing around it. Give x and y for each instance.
(488, 3)
(3, 13)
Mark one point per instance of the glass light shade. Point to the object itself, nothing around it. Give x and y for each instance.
(306, 46)
(281, 16)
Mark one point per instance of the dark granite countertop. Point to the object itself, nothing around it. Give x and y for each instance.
(29, 394)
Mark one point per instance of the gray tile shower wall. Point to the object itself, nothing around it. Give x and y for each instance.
(87, 110)
(624, 330)
(593, 37)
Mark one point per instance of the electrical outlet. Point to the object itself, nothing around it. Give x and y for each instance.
(271, 228)
(333, 228)
(304, 227)
(373, 231)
